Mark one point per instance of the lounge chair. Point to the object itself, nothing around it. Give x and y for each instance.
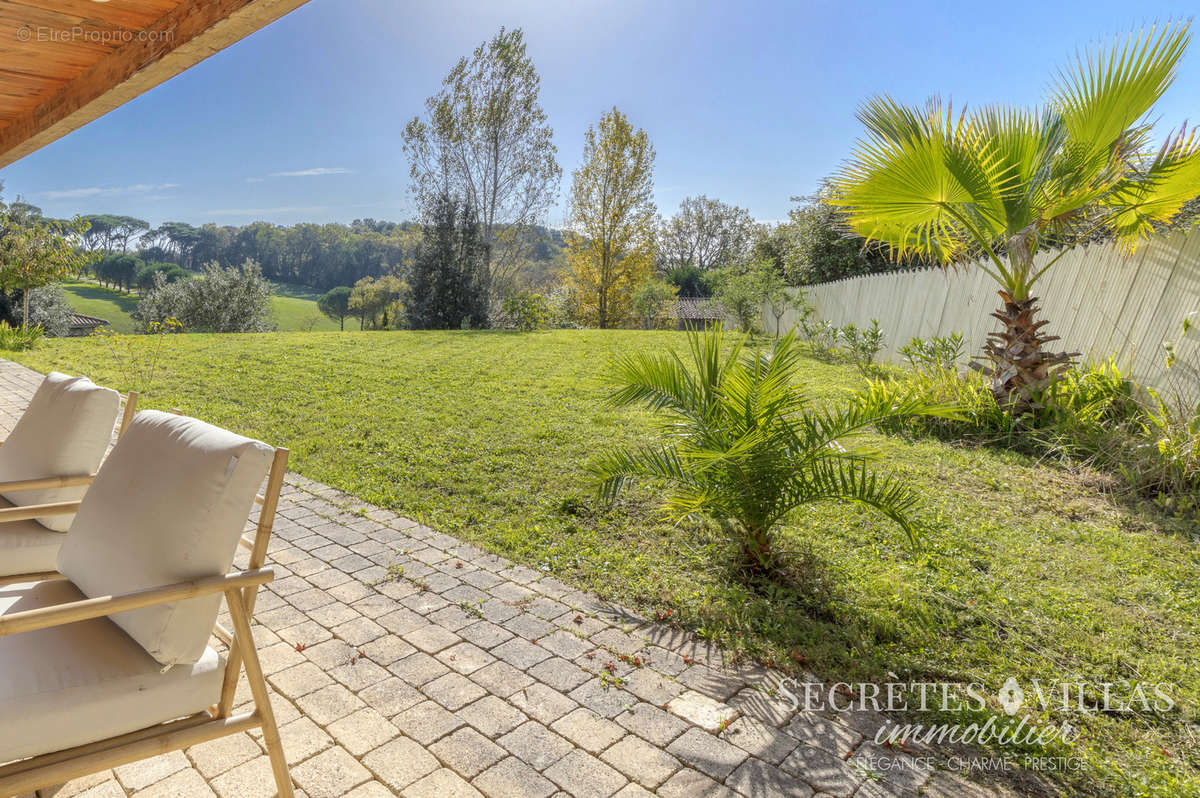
(46, 464)
(110, 661)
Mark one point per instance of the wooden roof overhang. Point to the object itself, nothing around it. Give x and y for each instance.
(64, 63)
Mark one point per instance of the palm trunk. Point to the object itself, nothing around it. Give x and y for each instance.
(757, 551)
(24, 308)
(1021, 369)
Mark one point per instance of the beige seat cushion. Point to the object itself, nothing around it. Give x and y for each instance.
(87, 681)
(63, 433)
(27, 547)
(168, 505)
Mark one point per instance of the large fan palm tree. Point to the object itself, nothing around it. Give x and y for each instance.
(745, 446)
(997, 185)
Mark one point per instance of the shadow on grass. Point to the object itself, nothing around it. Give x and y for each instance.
(126, 302)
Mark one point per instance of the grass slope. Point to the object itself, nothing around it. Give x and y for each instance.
(1025, 570)
(104, 303)
(292, 308)
(295, 308)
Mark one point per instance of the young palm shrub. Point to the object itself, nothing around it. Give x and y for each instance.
(998, 185)
(745, 446)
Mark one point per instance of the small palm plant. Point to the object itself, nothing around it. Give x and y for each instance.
(998, 185)
(745, 446)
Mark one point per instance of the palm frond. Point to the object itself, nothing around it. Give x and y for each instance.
(859, 483)
(930, 186)
(1155, 195)
(615, 471)
(657, 381)
(1108, 91)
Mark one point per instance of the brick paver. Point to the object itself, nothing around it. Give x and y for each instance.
(404, 661)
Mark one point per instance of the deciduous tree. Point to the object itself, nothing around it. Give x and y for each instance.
(651, 300)
(486, 140)
(611, 219)
(374, 300)
(35, 251)
(706, 234)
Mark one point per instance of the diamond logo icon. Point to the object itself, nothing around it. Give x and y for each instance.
(1011, 696)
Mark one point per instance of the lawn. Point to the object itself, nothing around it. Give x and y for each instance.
(292, 308)
(91, 299)
(1024, 570)
(295, 309)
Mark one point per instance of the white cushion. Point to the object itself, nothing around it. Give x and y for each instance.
(63, 433)
(168, 505)
(27, 547)
(87, 681)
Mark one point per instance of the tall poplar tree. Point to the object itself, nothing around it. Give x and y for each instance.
(487, 141)
(612, 219)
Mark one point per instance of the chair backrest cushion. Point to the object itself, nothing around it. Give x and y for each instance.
(169, 505)
(63, 433)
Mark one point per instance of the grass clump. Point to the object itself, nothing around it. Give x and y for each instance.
(18, 339)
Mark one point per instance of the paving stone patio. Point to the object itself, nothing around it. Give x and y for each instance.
(407, 662)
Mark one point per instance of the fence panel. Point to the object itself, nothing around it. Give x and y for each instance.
(1100, 300)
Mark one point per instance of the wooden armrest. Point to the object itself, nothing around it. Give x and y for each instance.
(28, 511)
(85, 609)
(46, 483)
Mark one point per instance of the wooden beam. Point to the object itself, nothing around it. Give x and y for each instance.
(85, 609)
(162, 742)
(46, 483)
(26, 512)
(180, 39)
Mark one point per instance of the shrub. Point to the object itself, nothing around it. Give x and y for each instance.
(1093, 416)
(136, 357)
(745, 446)
(48, 309)
(650, 302)
(862, 344)
(16, 339)
(1173, 427)
(742, 293)
(941, 352)
(563, 304)
(822, 335)
(525, 311)
(170, 272)
(1169, 462)
(237, 299)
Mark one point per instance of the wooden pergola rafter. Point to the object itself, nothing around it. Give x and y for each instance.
(64, 63)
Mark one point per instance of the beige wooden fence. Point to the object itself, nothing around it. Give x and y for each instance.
(1100, 301)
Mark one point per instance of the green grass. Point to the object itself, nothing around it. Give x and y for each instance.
(293, 313)
(104, 303)
(1025, 570)
(292, 308)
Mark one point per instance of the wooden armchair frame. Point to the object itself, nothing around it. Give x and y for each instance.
(29, 511)
(240, 589)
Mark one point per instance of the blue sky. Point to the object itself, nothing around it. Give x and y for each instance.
(751, 102)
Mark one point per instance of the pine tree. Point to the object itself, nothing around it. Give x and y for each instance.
(449, 281)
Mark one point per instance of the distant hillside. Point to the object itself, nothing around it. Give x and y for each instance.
(104, 303)
(294, 308)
